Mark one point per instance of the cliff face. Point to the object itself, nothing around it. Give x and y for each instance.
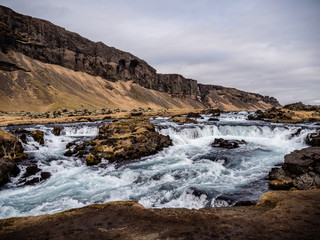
(41, 40)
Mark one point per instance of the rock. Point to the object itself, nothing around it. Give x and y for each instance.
(31, 170)
(92, 159)
(127, 140)
(56, 131)
(193, 115)
(9, 144)
(182, 120)
(245, 203)
(220, 142)
(213, 119)
(301, 169)
(38, 136)
(7, 168)
(280, 184)
(45, 175)
(136, 114)
(68, 153)
(313, 139)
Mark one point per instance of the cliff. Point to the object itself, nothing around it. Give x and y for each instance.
(43, 41)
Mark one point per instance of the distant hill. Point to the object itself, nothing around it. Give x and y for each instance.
(45, 67)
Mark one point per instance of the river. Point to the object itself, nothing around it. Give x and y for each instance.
(189, 174)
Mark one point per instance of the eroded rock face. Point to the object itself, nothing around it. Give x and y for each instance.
(301, 169)
(126, 140)
(48, 43)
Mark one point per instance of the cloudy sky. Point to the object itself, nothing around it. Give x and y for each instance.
(271, 47)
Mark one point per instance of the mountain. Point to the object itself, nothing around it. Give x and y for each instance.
(46, 67)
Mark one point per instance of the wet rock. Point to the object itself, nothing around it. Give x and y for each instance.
(193, 115)
(7, 168)
(38, 136)
(182, 120)
(45, 175)
(313, 139)
(9, 144)
(31, 170)
(213, 119)
(68, 153)
(127, 140)
(220, 142)
(196, 192)
(56, 131)
(93, 160)
(301, 169)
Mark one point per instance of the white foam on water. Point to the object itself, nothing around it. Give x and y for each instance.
(190, 174)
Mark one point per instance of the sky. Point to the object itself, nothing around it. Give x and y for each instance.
(271, 47)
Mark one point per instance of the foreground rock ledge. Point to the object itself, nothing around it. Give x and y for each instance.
(278, 215)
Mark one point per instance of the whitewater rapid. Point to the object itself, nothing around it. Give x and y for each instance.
(189, 174)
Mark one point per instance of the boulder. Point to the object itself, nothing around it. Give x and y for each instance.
(313, 139)
(9, 144)
(193, 115)
(220, 142)
(7, 168)
(301, 170)
(38, 136)
(126, 140)
(56, 131)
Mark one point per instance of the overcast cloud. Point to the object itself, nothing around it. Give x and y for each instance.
(271, 47)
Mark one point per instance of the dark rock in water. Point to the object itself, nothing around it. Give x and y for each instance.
(245, 203)
(68, 153)
(193, 115)
(301, 170)
(213, 119)
(23, 138)
(31, 170)
(313, 139)
(220, 142)
(223, 201)
(38, 136)
(70, 144)
(93, 160)
(196, 192)
(295, 134)
(56, 131)
(45, 175)
(7, 168)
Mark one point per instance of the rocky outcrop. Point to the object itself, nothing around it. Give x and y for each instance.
(220, 142)
(299, 106)
(123, 141)
(301, 170)
(41, 40)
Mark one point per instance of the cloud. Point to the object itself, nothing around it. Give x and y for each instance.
(271, 47)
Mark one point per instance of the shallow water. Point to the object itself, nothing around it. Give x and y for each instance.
(189, 174)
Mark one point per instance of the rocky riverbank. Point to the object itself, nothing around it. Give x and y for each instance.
(291, 113)
(278, 215)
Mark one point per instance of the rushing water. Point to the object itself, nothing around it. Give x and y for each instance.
(189, 174)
